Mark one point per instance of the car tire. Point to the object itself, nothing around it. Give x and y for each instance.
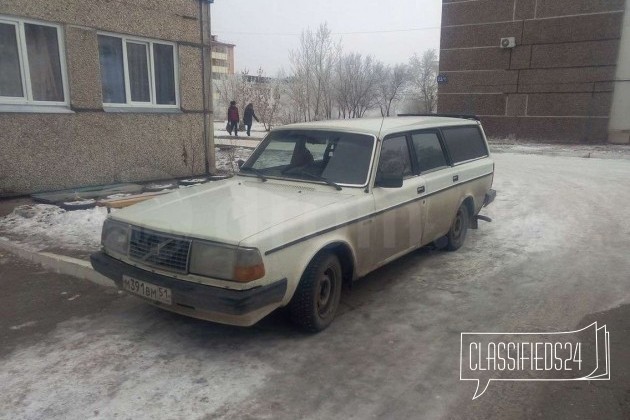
(316, 299)
(457, 233)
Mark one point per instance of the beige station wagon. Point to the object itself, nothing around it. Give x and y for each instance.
(316, 205)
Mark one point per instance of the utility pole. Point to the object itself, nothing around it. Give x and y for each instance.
(207, 85)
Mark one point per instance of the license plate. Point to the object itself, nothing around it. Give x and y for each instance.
(147, 290)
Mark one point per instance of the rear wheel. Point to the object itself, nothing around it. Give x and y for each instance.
(316, 298)
(457, 234)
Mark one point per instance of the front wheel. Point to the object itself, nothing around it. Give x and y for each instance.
(457, 234)
(316, 298)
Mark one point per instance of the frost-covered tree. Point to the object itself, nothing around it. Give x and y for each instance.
(312, 65)
(424, 71)
(391, 87)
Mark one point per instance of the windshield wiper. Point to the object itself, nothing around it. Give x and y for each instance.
(255, 171)
(316, 177)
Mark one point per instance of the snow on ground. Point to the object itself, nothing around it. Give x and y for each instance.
(42, 226)
(227, 158)
(116, 374)
(555, 251)
(257, 132)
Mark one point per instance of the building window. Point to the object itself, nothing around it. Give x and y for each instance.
(137, 72)
(32, 65)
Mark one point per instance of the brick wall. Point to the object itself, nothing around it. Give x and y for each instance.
(555, 85)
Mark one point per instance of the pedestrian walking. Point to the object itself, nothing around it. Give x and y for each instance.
(248, 116)
(233, 118)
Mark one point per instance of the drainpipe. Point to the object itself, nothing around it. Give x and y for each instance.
(207, 87)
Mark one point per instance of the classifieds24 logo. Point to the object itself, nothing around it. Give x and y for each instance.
(581, 355)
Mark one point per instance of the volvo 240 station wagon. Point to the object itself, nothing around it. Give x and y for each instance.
(316, 205)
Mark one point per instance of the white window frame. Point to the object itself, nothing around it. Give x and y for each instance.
(27, 98)
(151, 68)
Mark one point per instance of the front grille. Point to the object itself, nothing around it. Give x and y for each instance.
(159, 250)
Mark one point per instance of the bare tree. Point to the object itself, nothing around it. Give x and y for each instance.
(391, 87)
(424, 72)
(356, 84)
(312, 64)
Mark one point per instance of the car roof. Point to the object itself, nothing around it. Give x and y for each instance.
(379, 127)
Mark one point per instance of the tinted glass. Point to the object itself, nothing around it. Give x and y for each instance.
(394, 150)
(164, 74)
(112, 73)
(343, 158)
(428, 151)
(464, 143)
(138, 63)
(10, 77)
(42, 47)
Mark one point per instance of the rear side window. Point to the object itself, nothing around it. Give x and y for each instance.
(428, 150)
(464, 143)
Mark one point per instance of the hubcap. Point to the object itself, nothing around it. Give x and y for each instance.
(325, 292)
(457, 228)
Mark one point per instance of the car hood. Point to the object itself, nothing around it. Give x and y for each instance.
(229, 211)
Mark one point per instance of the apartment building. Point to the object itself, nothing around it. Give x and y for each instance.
(95, 92)
(562, 73)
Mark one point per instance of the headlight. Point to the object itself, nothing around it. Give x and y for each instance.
(115, 237)
(226, 262)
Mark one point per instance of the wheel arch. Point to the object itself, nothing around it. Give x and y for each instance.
(346, 257)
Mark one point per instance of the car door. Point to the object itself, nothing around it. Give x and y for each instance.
(441, 199)
(397, 224)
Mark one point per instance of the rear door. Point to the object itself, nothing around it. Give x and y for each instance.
(440, 198)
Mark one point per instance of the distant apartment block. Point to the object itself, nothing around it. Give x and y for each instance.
(222, 58)
(562, 75)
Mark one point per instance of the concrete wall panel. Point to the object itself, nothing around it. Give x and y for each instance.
(173, 20)
(84, 73)
(476, 12)
(486, 104)
(52, 151)
(497, 81)
(475, 59)
(550, 8)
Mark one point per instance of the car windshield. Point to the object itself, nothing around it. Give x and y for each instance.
(312, 155)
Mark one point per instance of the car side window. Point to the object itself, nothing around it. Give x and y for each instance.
(395, 149)
(464, 143)
(428, 151)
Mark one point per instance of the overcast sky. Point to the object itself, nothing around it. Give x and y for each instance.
(265, 30)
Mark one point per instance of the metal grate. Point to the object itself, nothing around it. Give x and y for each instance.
(159, 250)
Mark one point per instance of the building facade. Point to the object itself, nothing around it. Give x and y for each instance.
(95, 92)
(222, 58)
(564, 79)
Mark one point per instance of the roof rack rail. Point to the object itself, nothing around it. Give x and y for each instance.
(464, 116)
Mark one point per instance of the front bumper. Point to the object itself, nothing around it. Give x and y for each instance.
(235, 307)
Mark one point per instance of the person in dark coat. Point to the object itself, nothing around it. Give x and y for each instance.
(248, 115)
(233, 118)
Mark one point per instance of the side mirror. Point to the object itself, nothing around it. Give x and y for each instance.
(240, 163)
(390, 175)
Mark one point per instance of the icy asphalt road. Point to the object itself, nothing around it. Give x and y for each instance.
(557, 251)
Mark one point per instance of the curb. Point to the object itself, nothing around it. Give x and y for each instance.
(60, 264)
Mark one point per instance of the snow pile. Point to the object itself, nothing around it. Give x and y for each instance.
(44, 226)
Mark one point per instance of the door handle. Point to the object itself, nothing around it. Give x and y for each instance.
(455, 178)
(420, 189)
